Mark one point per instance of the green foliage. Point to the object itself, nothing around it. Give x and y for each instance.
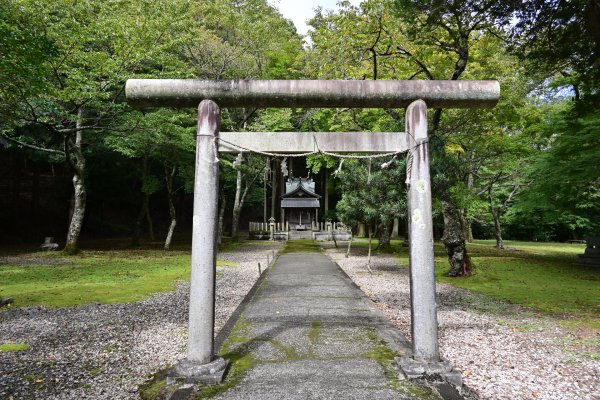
(236, 349)
(371, 195)
(59, 57)
(241, 39)
(560, 39)
(94, 49)
(154, 389)
(565, 180)
(25, 51)
(9, 347)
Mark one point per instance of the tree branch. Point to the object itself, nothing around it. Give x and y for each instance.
(31, 146)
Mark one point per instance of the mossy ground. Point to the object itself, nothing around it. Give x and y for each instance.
(8, 347)
(540, 276)
(301, 246)
(155, 389)
(113, 276)
(240, 360)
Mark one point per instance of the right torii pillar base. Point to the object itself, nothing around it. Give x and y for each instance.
(425, 359)
(413, 369)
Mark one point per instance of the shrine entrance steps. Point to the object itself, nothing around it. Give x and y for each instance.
(308, 332)
(300, 235)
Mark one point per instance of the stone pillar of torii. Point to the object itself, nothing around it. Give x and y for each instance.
(201, 363)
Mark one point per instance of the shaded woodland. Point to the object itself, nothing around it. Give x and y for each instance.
(76, 162)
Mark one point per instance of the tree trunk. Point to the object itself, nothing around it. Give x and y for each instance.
(169, 178)
(466, 225)
(149, 217)
(370, 247)
(469, 230)
(349, 245)
(361, 231)
(384, 236)
(221, 217)
(137, 229)
(497, 229)
(79, 190)
(496, 216)
(274, 173)
(76, 223)
(237, 207)
(240, 197)
(454, 242)
(170, 234)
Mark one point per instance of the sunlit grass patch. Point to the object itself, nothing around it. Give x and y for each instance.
(542, 276)
(114, 276)
(9, 347)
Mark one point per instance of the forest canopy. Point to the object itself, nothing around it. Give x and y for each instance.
(526, 169)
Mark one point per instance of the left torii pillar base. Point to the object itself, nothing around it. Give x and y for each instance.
(201, 364)
(211, 373)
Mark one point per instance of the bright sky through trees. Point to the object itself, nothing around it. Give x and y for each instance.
(299, 11)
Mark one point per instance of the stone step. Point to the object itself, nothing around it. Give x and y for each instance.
(300, 235)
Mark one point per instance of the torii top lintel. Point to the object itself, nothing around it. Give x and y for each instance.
(312, 93)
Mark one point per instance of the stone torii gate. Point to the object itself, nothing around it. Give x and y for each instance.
(202, 364)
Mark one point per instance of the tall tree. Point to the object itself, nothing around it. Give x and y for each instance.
(564, 182)
(83, 79)
(165, 137)
(406, 39)
(246, 39)
(562, 40)
(372, 195)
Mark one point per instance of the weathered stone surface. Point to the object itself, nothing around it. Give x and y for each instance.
(416, 369)
(6, 301)
(210, 373)
(311, 93)
(328, 236)
(420, 228)
(314, 335)
(49, 244)
(204, 236)
(306, 142)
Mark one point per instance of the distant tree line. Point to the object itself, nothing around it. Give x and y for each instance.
(527, 168)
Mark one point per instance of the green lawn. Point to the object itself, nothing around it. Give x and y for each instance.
(542, 276)
(94, 276)
(296, 246)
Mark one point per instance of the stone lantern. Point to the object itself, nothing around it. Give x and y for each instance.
(272, 228)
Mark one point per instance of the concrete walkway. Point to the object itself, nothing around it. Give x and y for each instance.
(309, 333)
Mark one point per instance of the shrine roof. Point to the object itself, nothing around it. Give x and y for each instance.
(301, 191)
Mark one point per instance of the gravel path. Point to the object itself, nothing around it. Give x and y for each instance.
(505, 352)
(105, 351)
